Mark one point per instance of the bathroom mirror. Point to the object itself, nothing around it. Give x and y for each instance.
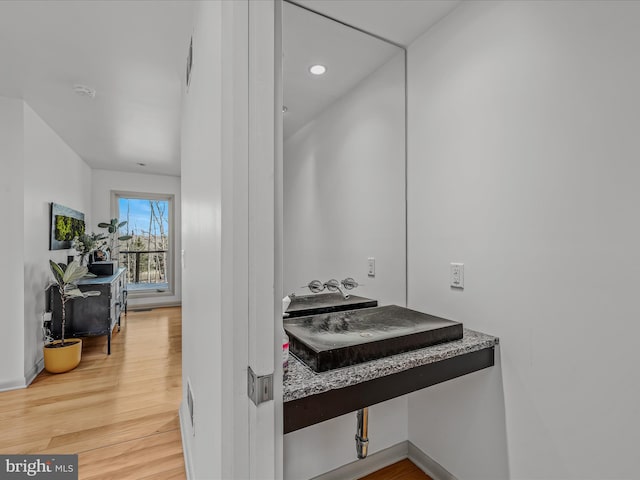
(344, 157)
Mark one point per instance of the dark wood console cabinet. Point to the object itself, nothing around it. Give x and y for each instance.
(91, 316)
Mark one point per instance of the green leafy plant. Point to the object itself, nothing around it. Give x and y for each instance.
(113, 227)
(66, 277)
(88, 242)
(68, 227)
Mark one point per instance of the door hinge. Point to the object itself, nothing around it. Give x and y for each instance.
(259, 387)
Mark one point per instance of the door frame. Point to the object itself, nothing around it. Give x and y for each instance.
(249, 436)
(265, 197)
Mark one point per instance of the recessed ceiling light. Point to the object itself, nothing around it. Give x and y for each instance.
(317, 69)
(84, 90)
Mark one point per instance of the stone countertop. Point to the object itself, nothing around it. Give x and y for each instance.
(302, 382)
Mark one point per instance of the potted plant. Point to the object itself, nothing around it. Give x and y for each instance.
(112, 227)
(64, 355)
(86, 243)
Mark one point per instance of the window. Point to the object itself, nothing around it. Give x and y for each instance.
(148, 254)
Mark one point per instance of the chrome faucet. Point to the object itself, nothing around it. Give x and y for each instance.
(333, 285)
(316, 286)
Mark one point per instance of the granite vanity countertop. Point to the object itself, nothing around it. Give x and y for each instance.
(302, 382)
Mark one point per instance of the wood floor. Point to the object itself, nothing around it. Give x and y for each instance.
(118, 412)
(403, 470)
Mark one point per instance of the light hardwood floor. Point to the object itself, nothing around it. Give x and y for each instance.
(118, 412)
(403, 470)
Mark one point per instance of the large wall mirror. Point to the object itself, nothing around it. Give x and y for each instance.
(344, 157)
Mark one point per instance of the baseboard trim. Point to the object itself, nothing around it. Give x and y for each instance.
(25, 381)
(151, 306)
(185, 429)
(386, 457)
(12, 385)
(372, 463)
(33, 373)
(427, 464)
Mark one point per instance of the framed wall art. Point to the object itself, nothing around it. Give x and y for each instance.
(66, 223)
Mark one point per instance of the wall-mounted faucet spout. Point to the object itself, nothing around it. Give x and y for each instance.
(362, 432)
(345, 295)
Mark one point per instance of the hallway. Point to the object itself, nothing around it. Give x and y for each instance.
(118, 412)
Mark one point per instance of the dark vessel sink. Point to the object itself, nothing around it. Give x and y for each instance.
(304, 305)
(339, 339)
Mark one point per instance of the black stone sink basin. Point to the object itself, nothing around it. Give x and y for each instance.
(339, 339)
(304, 305)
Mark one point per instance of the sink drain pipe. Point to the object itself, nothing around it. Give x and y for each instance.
(362, 432)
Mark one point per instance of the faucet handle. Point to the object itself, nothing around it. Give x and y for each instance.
(315, 286)
(349, 283)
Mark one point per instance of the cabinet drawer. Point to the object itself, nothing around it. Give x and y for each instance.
(92, 315)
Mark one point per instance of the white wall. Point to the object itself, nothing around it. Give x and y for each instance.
(230, 276)
(344, 195)
(344, 201)
(12, 242)
(106, 181)
(321, 448)
(53, 173)
(202, 332)
(38, 168)
(523, 164)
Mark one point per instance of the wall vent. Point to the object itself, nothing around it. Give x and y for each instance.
(190, 406)
(189, 62)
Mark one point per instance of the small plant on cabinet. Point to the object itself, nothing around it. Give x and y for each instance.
(113, 227)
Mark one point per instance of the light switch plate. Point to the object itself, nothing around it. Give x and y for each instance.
(371, 270)
(457, 275)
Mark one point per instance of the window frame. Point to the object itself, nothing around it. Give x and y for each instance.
(116, 195)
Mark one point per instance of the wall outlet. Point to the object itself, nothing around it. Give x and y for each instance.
(371, 267)
(457, 275)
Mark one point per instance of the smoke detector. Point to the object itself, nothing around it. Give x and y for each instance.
(83, 90)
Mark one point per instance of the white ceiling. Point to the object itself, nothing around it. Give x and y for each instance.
(400, 21)
(348, 54)
(131, 52)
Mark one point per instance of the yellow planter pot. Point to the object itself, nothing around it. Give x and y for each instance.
(62, 359)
